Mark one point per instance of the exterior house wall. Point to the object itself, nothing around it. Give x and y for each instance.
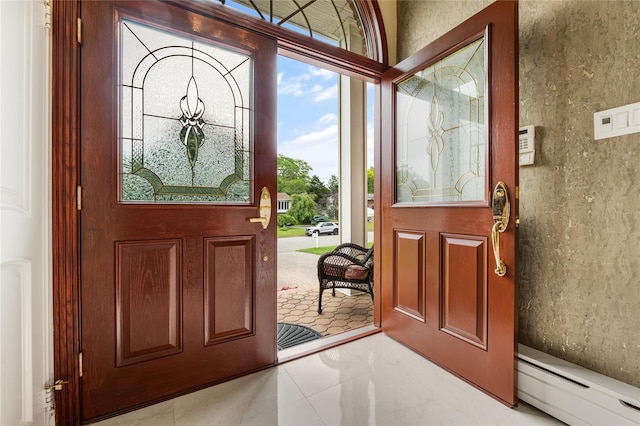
(579, 268)
(284, 202)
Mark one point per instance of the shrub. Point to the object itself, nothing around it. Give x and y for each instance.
(286, 220)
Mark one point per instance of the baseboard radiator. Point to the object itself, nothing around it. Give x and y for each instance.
(573, 394)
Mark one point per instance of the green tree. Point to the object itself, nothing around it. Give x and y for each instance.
(330, 201)
(317, 188)
(296, 186)
(293, 175)
(370, 180)
(333, 184)
(302, 208)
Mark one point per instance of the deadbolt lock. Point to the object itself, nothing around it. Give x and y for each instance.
(57, 385)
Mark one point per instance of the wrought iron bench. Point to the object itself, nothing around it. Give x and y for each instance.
(348, 266)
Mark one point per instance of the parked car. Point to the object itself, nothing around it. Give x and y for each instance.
(319, 218)
(330, 228)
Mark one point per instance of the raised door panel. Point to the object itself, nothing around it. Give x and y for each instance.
(409, 281)
(463, 303)
(148, 300)
(229, 289)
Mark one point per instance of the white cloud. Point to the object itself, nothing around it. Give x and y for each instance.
(290, 86)
(321, 72)
(298, 84)
(328, 118)
(319, 136)
(295, 85)
(318, 148)
(330, 92)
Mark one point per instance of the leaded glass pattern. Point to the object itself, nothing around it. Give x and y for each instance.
(336, 22)
(441, 142)
(184, 119)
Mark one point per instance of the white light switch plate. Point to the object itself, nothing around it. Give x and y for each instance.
(618, 121)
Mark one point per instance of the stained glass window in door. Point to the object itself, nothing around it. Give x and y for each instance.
(441, 142)
(184, 119)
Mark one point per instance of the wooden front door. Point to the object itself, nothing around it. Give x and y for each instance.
(452, 139)
(177, 143)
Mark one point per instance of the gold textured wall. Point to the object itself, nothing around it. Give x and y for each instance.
(579, 265)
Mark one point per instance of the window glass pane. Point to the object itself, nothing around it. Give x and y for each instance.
(184, 119)
(441, 139)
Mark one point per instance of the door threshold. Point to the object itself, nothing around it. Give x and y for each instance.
(289, 354)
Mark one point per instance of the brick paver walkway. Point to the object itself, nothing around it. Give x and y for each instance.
(339, 313)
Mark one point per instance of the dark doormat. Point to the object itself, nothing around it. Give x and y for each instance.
(293, 334)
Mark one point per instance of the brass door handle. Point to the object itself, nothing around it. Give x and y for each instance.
(57, 385)
(501, 211)
(264, 209)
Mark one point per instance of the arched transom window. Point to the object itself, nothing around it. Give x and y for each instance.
(337, 22)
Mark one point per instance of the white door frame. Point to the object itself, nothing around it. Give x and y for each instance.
(26, 325)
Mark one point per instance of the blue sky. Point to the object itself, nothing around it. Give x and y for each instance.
(308, 116)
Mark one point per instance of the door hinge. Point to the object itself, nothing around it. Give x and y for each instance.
(79, 197)
(517, 192)
(79, 30)
(47, 14)
(80, 372)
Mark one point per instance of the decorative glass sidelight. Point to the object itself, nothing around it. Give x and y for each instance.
(441, 142)
(184, 119)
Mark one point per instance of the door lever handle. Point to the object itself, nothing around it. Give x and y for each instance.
(501, 211)
(264, 209)
(261, 220)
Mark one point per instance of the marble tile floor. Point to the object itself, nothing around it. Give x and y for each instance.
(370, 381)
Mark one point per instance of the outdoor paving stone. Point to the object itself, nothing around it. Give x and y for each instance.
(288, 306)
(292, 319)
(343, 316)
(358, 317)
(306, 320)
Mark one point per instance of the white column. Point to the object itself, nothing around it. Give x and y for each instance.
(353, 161)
